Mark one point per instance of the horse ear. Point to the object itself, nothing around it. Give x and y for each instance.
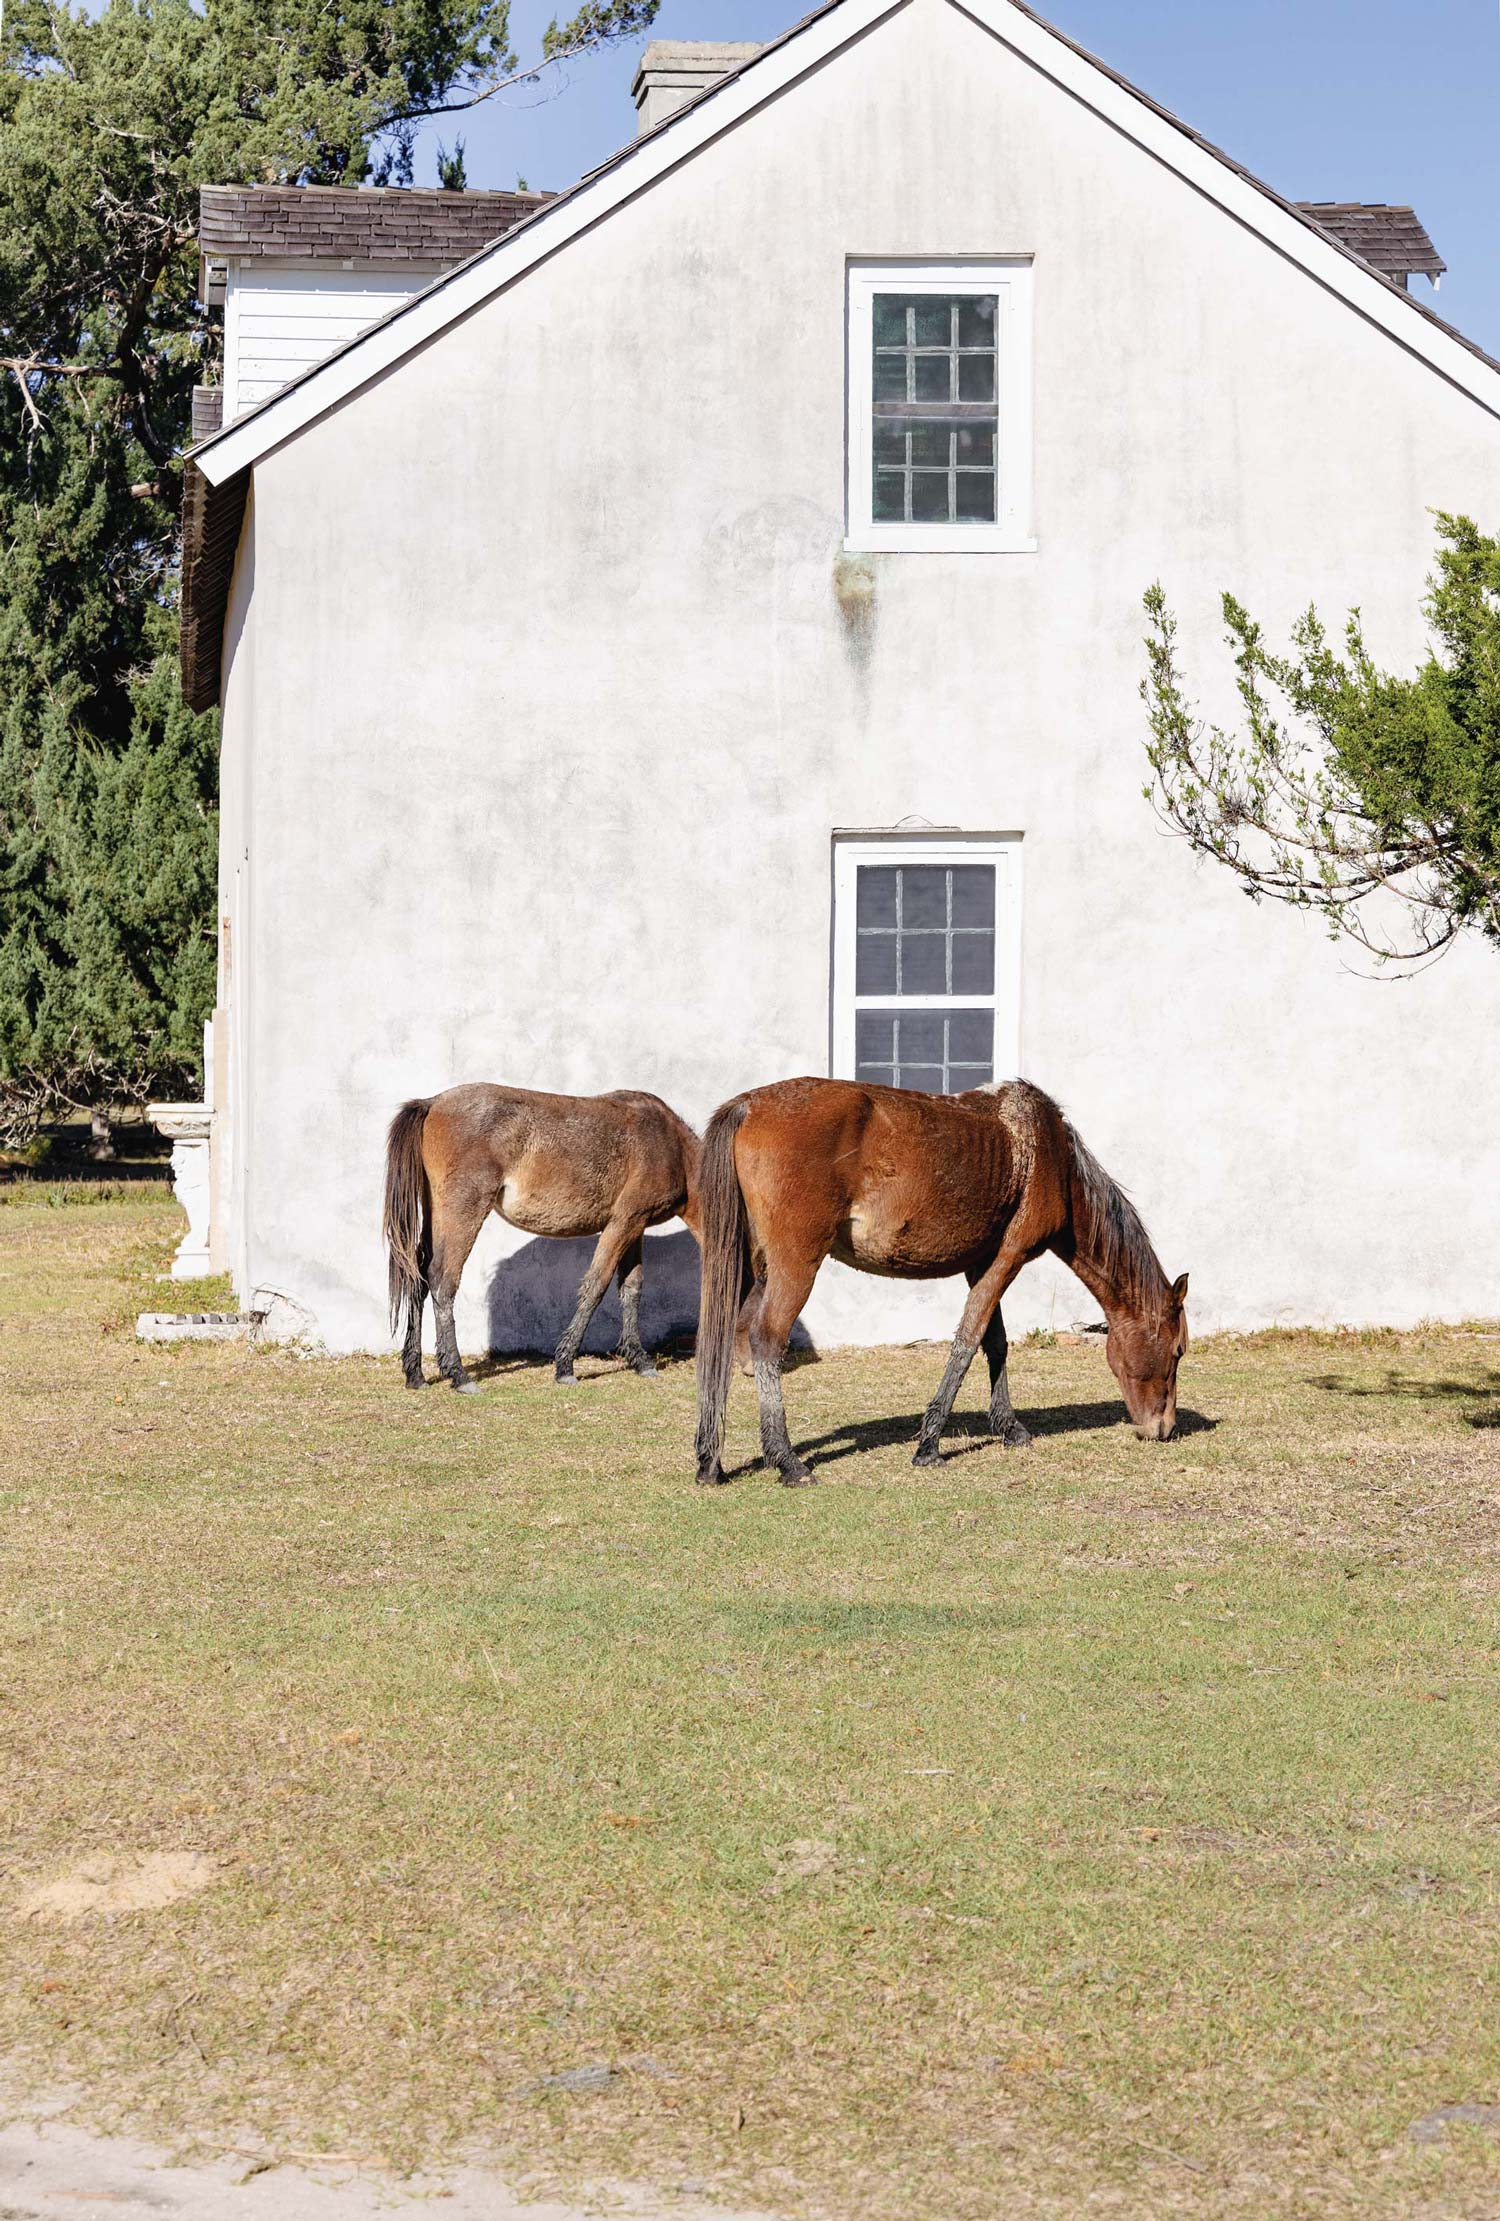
(1179, 1290)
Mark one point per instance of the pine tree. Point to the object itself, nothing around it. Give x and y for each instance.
(110, 120)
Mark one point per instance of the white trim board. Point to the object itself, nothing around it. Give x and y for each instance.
(823, 35)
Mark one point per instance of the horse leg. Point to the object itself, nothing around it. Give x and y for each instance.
(631, 1274)
(456, 1220)
(1004, 1424)
(612, 1245)
(787, 1286)
(981, 1308)
(749, 1312)
(411, 1348)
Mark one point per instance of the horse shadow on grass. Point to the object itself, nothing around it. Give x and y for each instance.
(968, 1431)
(532, 1293)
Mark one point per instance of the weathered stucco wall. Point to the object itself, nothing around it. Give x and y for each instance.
(558, 698)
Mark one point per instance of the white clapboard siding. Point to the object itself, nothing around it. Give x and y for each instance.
(278, 320)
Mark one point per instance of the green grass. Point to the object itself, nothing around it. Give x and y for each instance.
(1102, 1823)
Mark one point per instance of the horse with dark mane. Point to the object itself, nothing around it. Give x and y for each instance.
(561, 1165)
(916, 1187)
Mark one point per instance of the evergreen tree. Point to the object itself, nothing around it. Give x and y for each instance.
(110, 121)
(1371, 799)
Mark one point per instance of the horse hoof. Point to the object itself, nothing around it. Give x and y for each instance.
(928, 1457)
(646, 1371)
(1013, 1436)
(711, 1476)
(565, 1380)
(415, 1380)
(464, 1387)
(799, 1477)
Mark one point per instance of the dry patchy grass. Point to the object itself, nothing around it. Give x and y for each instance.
(1104, 1824)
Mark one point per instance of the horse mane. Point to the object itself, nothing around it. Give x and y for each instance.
(1107, 1227)
(1112, 1235)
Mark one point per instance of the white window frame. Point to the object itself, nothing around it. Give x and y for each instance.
(1014, 528)
(1003, 850)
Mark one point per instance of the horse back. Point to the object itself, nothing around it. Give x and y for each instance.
(890, 1181)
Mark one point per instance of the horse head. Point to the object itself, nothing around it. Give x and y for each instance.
(1144, 1351)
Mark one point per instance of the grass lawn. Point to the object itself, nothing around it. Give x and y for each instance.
(1104, 1824)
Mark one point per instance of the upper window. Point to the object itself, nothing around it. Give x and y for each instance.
(926, 961)
(939, 406)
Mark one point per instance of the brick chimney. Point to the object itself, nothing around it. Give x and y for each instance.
(675, 71)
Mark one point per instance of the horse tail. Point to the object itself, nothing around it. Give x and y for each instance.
(724, 1238)
(408, 1211)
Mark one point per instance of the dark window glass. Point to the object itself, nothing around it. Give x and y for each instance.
(973, 964)
(937, 352)
(932, 378)
(875, 965)
(929, 497)
(890, 496)
(924, 1079)
(924, 895)
(890, 377)
(875, 896)
(924, 963)
(973, 893)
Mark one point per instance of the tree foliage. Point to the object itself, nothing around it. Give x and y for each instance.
(1372, 799)
(110, 120)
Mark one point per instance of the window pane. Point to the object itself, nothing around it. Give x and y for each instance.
(934, 321)
(973, 894)
(924, 964)
(930, 443)
(919, 1037)
(875, 964)
(973, 964)
(890, 319)
(932, 379)
(890, 378)
(877, 1075)
(971, 1036)
(976, 445)
(974, 496)
(923, 1079)
(976, 377)
(924, 894)
(976, 320)
(875, 1037)
(929, 497)
(890, 442)
(890, 496)
(875, 895)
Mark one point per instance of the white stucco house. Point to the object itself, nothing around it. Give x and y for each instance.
(695, 639)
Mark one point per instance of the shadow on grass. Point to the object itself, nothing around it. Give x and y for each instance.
(1482, 1394)
(966, 1432)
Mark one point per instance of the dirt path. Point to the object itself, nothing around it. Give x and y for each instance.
(52, 2171)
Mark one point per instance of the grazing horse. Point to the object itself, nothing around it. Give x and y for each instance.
(562, 1165)
(915, 1187)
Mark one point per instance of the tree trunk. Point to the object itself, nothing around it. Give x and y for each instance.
(101, 1139)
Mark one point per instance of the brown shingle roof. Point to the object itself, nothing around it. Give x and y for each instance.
(1391, 238)
(355, 222)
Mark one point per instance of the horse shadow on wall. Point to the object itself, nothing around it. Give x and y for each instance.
(532, 1293)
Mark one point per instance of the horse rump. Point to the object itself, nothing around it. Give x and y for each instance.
(408, 1212)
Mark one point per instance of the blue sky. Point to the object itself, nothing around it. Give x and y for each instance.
(1395, 100)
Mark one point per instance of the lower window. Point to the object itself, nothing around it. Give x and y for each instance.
(926, 961)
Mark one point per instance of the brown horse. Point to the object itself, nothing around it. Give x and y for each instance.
(562, 1165)
(915, 1187)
